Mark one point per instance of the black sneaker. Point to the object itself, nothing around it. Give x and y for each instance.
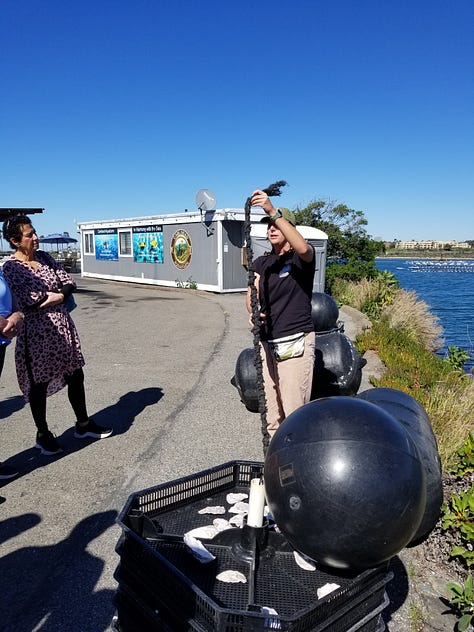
(92, 430)
(47, 443)
(7, 472)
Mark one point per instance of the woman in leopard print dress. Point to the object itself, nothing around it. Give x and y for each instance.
(48, 351)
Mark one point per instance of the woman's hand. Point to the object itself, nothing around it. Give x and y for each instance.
(261, 321)
(52, 299)
(260, 198)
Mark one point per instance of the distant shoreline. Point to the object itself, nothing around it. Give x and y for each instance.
(427, 256)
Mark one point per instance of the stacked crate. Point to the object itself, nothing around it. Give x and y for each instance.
(162, 587)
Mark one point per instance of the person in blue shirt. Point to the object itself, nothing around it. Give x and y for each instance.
(10, 323)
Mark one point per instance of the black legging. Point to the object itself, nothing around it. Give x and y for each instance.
(3, 349)
(75, 393)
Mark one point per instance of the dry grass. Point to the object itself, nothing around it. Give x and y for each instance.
(450, 407)
(359, 294)
(409, 313)
(405, 337)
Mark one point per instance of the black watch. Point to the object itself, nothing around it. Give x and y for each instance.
(275, 216)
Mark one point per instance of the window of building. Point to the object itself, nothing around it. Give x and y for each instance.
(89, 243)
(125, 243)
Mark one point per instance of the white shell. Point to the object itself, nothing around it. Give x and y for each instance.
(198, 549)
(232, 577)
(208, 532)
(220, 524)
(233, 498)
(212, 510)
(239, 507)
(237, 520)
(304, 561)
(326, 589)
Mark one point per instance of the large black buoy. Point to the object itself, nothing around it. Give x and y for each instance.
(345, 483)
(324, 311)
(245, 379)
(406, 410)
(337, 365)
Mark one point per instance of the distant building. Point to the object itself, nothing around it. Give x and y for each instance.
(430, 245)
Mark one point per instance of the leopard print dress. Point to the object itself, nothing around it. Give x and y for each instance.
(47, 347)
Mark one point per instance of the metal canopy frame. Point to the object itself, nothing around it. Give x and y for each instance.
(9, 212)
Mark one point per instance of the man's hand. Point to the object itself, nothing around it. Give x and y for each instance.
(10, 326)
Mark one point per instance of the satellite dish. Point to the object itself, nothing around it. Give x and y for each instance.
(205, 200)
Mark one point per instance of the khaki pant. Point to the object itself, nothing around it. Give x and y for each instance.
(288, 383)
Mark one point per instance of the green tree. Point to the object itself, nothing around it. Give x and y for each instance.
(351, 251)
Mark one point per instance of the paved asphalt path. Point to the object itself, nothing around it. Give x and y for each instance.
(158, 368)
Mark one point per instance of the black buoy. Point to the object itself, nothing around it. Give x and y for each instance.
(245, 379)
(324, 312)
(407, 411)
(337, 365)
(345, 483)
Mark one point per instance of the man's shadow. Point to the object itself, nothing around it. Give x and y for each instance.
(52, 587)
(119, 416)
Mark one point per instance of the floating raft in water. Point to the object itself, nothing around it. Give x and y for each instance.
(450, 265)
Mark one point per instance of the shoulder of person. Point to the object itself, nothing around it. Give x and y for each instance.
(8, 264)
(313, 258)
(46, 258)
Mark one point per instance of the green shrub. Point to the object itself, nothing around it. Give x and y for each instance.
(463, 602)
(457, 358)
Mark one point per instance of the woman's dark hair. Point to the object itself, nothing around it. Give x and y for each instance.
(12, 228)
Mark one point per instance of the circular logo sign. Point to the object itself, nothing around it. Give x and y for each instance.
(181, 249)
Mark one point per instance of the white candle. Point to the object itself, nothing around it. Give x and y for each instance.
(256, 503)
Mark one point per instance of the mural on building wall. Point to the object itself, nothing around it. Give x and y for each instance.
(106, 244)
(148, 244)
(181, 249)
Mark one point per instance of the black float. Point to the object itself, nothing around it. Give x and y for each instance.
(337, 363)
(345, 483)
(411, 414)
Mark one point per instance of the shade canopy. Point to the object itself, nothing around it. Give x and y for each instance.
(57, 238)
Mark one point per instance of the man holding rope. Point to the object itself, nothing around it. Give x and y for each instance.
(284, 282)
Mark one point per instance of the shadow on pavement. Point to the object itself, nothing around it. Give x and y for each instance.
(11, 527)
(11, 405)
(119, 416)
(41, 591)
(397, 590)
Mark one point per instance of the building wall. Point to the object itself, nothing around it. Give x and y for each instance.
(185, 249)
(199, 267)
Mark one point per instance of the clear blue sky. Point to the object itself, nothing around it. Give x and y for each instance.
(123, 108)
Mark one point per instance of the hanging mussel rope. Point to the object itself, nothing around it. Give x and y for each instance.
(272, 191)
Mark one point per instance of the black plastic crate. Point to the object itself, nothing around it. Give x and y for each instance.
(157, 569)
(134, 614)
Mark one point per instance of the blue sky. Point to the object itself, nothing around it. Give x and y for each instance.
(123, 108)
